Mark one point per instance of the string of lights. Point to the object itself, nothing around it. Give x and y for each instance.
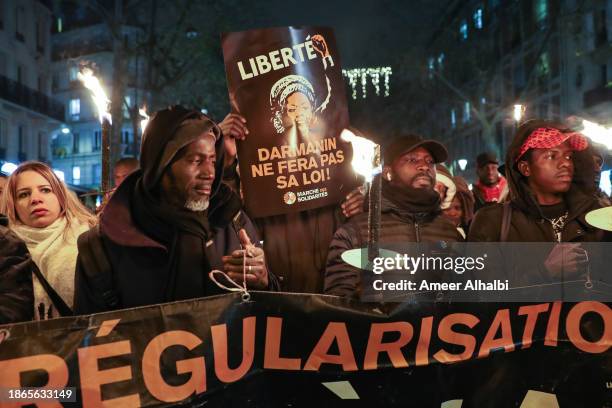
(357, 76)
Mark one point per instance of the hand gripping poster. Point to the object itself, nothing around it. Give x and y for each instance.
(287, 83)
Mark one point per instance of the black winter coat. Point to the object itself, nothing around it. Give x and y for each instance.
(16, 291)
(397, 226)
(138, 263)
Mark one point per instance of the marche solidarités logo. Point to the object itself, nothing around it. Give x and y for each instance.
(289, 197)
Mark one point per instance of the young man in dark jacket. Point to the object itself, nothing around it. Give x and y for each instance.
(169, 224)
(551, 175)
(16, 292)
(410, 211)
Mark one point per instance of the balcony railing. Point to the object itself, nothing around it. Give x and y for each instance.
(29, 98)
(598, 95)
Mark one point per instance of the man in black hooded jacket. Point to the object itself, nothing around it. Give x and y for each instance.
(169, 224)
(551, 177)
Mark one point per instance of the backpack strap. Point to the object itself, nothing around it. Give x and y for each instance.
(58, 302)
(506, 218)
(97, 267)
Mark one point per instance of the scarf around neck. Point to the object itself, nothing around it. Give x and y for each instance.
(54, 251)
(185, 234)
(412, 200)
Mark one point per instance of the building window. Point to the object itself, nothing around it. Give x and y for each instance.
(541, 13)
(97, 141)
(96, 171)
(543, 68)
(74, 108)
(3, 138)
(466, 112)
(478, 19)
(42, 146)
(127, 104)
(21, 74)
(76, 175)
(441, 61)
(463, 30)
(73, 73)
(19, 23)
(453, 118)
(21, 143)
(579, 76)
(126, 137)
(75, 142)
(40, 36)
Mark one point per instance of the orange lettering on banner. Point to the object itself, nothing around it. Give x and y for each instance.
(422, 349)
(151, 370)
(552, 328)
(54, 366)
(446, 334)
(532, 312)
(572, 325)
(393, 349)
(335, 331)
(219, 339)
(272, 358)
(501, 320)
(92, 378)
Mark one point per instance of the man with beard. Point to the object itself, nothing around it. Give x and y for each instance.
(169, 224)
(491, 187)
(410, 211)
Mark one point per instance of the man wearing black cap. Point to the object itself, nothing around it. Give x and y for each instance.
(169, 224)
(491, 187)
(410, 211)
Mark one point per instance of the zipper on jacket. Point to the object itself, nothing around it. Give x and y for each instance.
(417, 231)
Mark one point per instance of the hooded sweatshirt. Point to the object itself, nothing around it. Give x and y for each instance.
(532, 222)
(158, 252)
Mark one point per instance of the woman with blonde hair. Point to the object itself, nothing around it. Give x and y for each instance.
(49, 218)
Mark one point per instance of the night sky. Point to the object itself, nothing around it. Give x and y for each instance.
(369, 33)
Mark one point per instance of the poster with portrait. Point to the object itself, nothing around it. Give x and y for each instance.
(287, 83)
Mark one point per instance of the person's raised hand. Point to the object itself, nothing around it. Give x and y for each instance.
(233, 128)
(353, 204)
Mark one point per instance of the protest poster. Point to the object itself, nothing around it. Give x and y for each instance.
(287, 83)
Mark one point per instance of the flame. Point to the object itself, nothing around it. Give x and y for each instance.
(145, 121)
(364, 151)
(597, 133)
(97, 93)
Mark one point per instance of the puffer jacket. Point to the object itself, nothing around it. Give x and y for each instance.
(396, 226)
(16, 291)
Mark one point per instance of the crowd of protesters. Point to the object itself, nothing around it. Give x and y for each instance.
(174, 227)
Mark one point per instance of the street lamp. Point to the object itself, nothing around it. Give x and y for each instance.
(462, 164)
(519, 111)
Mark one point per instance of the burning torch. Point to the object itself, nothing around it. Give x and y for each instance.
(102, 102)
(367, 161)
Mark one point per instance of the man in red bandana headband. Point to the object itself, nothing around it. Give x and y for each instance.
(551, 181)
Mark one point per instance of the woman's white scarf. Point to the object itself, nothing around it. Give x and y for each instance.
(55, 254)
